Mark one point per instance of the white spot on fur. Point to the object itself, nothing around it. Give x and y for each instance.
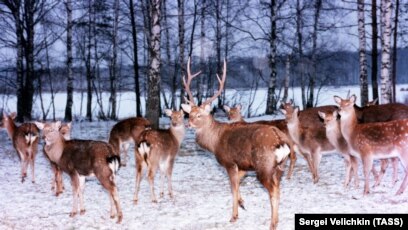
(282, 152)
(143, 148)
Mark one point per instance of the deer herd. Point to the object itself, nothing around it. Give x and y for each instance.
(366, 133)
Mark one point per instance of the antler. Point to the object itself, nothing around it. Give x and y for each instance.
(187, 84)
(221, 87)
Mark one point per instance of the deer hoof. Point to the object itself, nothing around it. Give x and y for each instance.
(72, 214)
(154, 200)
(120, 217)
(234, 218)
(82, 212)
(399, 192)
(161, 194)
(241, 203)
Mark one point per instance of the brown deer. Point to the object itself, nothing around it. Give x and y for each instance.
(25, 140)
(240, 147)
(158, 149)
(371, 141)
(82, 158)
(333, 133)
(125, 132)
(57, 184)
(308, 133)
(234, 115)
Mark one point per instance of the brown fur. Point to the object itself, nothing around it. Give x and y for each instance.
(374, 140)
(81, 158)
(164, 145)
(25, 140)
(308, 133)
(125, 132)
(234, 115)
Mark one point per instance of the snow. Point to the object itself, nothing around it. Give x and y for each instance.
(201, 188)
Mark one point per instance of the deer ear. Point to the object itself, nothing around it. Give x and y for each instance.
(13, 115)
(322, 115)
(69, 124)
(353, 98)
(283, 111)
(296, 111)
(39, 125)
(239, 106)
(207, 108)
(291, 101)
(57, 125)
(168, 112)
(226, 108)
(186, 108)
(337, 99)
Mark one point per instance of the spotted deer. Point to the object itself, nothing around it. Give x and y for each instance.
(125, 132)
(234, 115)
(333, 133)
(240, 147)
(25, 140)
(80, 159)
(379, 140)
(57, 184)
(382, 113)
(309, 134)
(157, 148)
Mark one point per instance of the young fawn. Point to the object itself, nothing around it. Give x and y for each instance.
(82, 158)
(158, 149)
(371, 141)
(125, 132)
(240, 147)
(234, 115)
(308, 133)
(333, 133)
(25, 140)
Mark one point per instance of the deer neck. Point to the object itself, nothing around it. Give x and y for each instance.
(348, 125)
(178, 132)
(333, 133)
(294, 130)
(55, 149)
(208, 135)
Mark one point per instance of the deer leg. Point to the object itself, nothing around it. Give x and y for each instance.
(384, 166)
(75, 191)
(107, 180)
(347, 162)
(316, 157)
(293, 159)
(404, 161)
(31, 159)
(162, 176)
(169, 175)
(125, 153)
(151, 171)
(367, 165)
(58, 181)
(241, 174)
(354, 169)
(234, 180)
(139, 162)
(394, 170)
(81, 194)
(308, 159)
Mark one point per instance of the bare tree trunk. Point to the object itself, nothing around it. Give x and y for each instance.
(70, 77)
(218, 42)
(135, 58)
(312, 80)
(200, 80)
(113, 77)
(271, 101)
(89, 72)
(287, 79)
(226, 47)
(394, 52)
(374, 52)
(362, 54)
(386, 81)
(299, 33)
(153, 91)
(181, 43)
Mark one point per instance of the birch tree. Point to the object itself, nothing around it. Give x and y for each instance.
(374, 50)
(181, 43)
(362, 53)
(386, 81)
(153, 91)
(271, 100)
(113, 67)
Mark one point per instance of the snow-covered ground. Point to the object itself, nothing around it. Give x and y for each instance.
(202, 194)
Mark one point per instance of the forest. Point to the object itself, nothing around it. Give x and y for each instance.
(95, 46)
